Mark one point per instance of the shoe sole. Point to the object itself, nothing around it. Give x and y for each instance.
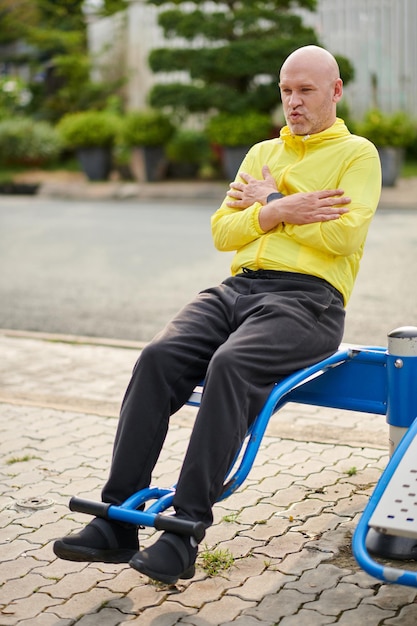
(168, 579)
(90, 555)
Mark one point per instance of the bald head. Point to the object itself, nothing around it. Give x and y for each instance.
(310, 87)
(314, 58)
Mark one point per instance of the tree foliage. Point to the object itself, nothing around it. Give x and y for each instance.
(113, 6)
(230, 50)
(49, 37)
(15, 19)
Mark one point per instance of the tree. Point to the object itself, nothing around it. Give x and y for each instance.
(113, 6)
(49, 38)
(15, 18)
(232, 52)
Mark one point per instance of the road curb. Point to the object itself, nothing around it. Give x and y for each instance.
(73, 339)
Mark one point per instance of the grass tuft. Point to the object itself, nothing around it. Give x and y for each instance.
(217, 561)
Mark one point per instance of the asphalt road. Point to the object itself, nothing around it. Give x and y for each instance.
(108, 269)
(121, 269)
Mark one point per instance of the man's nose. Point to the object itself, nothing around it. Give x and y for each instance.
(295, 100)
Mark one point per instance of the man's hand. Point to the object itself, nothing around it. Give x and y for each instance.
(304, 208)
(251, 190)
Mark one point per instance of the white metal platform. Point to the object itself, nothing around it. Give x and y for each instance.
(396, 511)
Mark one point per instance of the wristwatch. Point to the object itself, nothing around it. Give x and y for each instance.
(275, 195)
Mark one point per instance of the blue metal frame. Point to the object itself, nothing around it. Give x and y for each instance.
(329, 383)
(365, 379)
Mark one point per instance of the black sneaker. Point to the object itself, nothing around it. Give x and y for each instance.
(100, 541)
(170, 558)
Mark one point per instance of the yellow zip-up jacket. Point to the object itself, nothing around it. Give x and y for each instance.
(332, 159)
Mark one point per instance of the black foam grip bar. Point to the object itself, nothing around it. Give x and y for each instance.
(180, 526)
(98, 509)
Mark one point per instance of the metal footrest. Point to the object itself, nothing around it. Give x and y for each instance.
(391, 515)
(396, 511)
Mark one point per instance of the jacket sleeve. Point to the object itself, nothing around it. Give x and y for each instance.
(361, 181)
(234, 228)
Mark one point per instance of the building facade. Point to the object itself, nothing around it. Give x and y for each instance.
(379, 38)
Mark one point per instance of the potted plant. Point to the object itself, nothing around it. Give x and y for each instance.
(92, 135)
(147, 133)
(188, 151)
(235, 134)
(391, 134)
(25, 143)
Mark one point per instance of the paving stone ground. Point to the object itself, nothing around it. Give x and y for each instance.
(288, 528)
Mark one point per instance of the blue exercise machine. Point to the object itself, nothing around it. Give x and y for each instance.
(359, 378)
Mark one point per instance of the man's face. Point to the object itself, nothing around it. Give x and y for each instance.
(309, 97)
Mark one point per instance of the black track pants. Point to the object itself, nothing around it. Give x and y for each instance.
(241, 336)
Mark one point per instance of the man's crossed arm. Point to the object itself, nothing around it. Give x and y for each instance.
(297, 208)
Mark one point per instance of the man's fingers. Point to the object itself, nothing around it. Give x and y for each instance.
(245, 177)
(331, 192)
(337, 201)
(332, 197)
(266, 172)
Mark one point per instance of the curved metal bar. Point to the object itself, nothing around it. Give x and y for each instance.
(275, 401)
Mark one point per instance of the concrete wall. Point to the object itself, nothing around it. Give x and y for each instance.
(122, 43)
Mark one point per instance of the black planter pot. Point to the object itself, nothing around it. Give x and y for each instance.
(19, 188)
(182, 171)
(391, 163)
(232, 157)
(148, 163)
(96, 162)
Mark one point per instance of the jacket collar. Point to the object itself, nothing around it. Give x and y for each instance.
(338, 129)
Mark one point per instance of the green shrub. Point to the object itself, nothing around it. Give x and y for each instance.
(344, 112)
(243, 129)
(396, 130)
(14, 96)
(146, 128)
(86, 129)
(188, 146)
(24, 141)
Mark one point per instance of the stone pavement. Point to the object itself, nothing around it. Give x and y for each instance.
(288, 528)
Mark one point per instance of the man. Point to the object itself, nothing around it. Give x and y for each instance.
(297, 217)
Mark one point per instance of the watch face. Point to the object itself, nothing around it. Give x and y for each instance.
(276, 195)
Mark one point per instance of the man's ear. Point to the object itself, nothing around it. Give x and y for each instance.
(338, 90)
